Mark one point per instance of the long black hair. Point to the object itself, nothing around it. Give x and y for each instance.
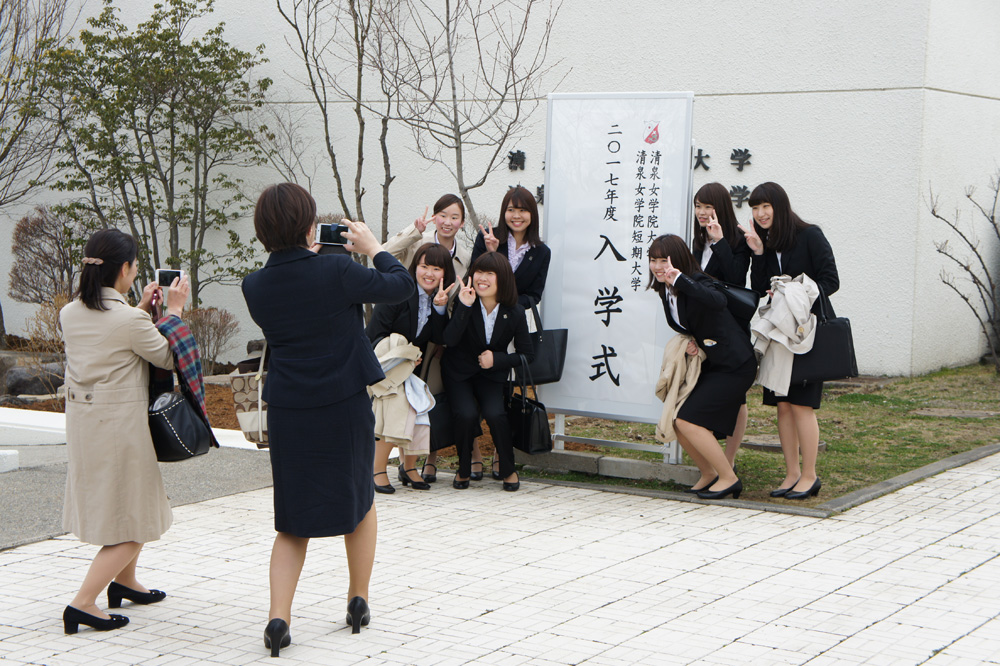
(716, 195)
(785, 224)
(519, 197)
(112, 249)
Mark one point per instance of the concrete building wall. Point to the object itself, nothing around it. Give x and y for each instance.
(856, 108)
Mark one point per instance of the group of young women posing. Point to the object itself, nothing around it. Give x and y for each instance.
(778, 242)
(467, 310)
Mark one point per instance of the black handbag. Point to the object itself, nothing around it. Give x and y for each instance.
(529, 421)
(179, 432)
(741, 302)
(442, 432)
(550, 352)
(832, 354)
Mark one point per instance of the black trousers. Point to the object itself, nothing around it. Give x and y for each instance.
(469, 398)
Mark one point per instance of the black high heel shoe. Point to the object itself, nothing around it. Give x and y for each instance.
(277, 636)
(495, 471)
(477, 476)
(358, 614)
(733, 490)
(430, 478)
(117, 592)
(405, 479)
(694, 491)
(74, 617)
(781, 492)
(387, 489)
(512, 486)
(459, 485)
(805, 494)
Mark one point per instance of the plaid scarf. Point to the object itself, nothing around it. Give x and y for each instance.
(187, 362)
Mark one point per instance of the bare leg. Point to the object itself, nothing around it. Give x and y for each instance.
(287, 557)
(788, 434)
(430, 460)
(382, 451)
(733, 441)
(108, 563)
(409, 465)
(703, 442)
(807, 428)
(127, 577)
(360, 545)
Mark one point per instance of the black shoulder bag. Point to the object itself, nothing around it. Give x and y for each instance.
(832, 354)
(529, 421)
(550, 352)
(178, 430)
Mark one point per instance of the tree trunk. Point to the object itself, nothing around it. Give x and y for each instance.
(3, 329)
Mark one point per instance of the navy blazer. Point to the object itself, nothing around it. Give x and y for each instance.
(530, 274)
(465, 337)
(401, 318)
(810, 254)
(309, 307)
(704, 315)
(728, 263)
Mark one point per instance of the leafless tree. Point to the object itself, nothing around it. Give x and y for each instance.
(214, 329)
(469, 74)
(45, 258)
(978, 280)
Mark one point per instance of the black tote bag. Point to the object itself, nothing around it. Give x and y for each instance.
(178, 431)
(741, 302)
(529, 421)
(832, 354)
(550, 353)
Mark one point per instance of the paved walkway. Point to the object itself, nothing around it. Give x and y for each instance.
(556, 575)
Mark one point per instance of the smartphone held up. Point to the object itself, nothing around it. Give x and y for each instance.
(331, 234)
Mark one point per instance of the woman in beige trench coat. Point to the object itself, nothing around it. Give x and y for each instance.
(114, 492)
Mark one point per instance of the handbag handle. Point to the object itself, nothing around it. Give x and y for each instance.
(534, 313)
(524, 381)
(260, 393)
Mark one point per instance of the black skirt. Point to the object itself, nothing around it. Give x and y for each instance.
(321, 464)
(809, 395)
(715, 401)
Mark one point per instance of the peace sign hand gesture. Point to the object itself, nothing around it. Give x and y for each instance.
(671, 273)
(441, 297)
(421, 222)
(753, 240)
(713, 228)
(491, 241)
(467, 294)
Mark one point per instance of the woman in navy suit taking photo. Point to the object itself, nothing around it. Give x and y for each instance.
(696, 306)
(476, 363)
(782, 244)
(719, 248)
(320, 420)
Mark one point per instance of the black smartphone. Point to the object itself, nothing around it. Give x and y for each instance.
(165, 276)
(331, 234)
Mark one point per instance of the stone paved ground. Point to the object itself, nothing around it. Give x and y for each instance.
(556, 575)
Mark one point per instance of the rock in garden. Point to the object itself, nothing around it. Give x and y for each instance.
(42, 380)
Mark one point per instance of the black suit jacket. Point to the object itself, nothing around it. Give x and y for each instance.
(811, 254)
(728, 263)
(309, 308)
(465, 337)
(704, 315)
(530, 274)
(388, 318)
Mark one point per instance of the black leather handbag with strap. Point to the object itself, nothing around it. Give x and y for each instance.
(832, 354)
(529, 421)
(550, 352)
(178, 431)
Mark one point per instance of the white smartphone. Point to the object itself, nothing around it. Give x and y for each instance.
(331, 234)
(165, 276)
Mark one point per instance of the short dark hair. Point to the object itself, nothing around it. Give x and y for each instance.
(519, 197)
(283, 216)
(716, 195)
(674, 248)
(496, 263)
(114, 248)
(449, 200)
(434, 254)
(785, 224)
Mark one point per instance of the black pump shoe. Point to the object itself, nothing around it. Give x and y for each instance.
(477, 476)
(358, 614)
(781, 492)
(74, 617)
(277, 636)
(805, 494)
(117, 592)
(694, 491)
(495, 470)
(405, 479)
(733, 490)
(387, 489)
(459, 485)
(430, 478)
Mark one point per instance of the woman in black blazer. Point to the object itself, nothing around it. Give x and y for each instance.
(420, 319)
(696, 306)
(518, 239)
(722, 252)
(782, 244)
(476, 363)
(320, 421)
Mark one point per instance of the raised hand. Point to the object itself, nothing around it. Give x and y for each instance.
(177, 295)
(713, 228)
(671, 274)
(441, 297)
(467, 294)
(151, 293)
(491, 241)
(753, 240)
(361, 239)
(421, 222)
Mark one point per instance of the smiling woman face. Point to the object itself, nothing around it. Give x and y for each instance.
(703, 212)
(485, 284)
(448, 221)
(517, 219)
(763, 215)
(429, 277)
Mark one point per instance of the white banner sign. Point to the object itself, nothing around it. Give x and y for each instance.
(617, 175)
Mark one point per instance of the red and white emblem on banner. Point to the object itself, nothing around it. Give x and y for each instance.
(652, 131)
